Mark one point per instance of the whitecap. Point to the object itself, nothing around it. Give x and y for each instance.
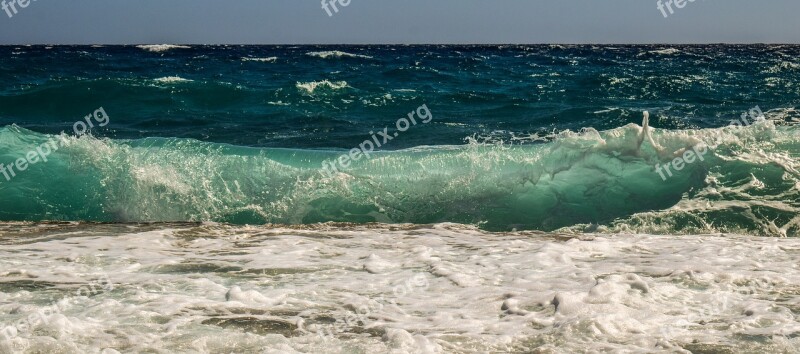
(783, 66)
(264, 60)
(171, 79)
(668, 51)
(310, 87)
(336, 54)
(157, 48)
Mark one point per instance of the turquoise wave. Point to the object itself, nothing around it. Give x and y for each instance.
(600, 181)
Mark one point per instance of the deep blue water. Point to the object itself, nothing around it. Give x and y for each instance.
(238, 134)
(483, 90)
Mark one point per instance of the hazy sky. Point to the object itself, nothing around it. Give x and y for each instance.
(399, 21)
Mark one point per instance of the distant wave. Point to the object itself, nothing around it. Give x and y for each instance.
(265, 60)
(783, 66)
(171, 79)
(310, 87)
(336, 54)
(156, 48)
(667, 51)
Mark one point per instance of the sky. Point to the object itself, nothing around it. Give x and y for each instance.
(398, 22)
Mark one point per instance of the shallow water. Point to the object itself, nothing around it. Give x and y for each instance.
(444, 288)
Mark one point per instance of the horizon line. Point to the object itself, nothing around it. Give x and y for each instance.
(392, 44)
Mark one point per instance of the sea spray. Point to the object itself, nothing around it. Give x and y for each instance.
(590, 178)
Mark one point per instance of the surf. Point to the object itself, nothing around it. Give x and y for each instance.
(579, 180)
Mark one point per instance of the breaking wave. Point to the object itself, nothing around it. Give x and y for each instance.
(310, 87)
(263, 60)
(336, 54)
(157, 48)
(749, 182)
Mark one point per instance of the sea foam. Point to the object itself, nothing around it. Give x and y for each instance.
(156, 48)
(222, 289)
(310, 87)
(337, 54)
(171, 80)
(264, 60)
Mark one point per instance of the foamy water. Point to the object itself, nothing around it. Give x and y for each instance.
(447, 288)
(263, 60)
(157, 48)
(171, 80)
(310, 87)
(337, 54)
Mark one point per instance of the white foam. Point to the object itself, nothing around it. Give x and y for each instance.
(667, 51)
(784, 66)
(157, 48)
(171, 80)
(336, 54)
(310, 87)
(263, 60)
(267, 289)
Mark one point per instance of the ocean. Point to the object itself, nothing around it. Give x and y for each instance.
(403, 199)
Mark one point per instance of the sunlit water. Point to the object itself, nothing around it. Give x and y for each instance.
(527, 216)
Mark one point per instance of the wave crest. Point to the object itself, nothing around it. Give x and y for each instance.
(336, 54)
(171, 80)
(597, 181)
(263, 60)
(310, 87)
(157, 48)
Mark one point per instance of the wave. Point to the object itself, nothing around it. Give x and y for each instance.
(171, 80)
(157, 48)
(667, 51)
(576, 182)
(783, 66)
(263, 60)
(310, 87)
(336, 54)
